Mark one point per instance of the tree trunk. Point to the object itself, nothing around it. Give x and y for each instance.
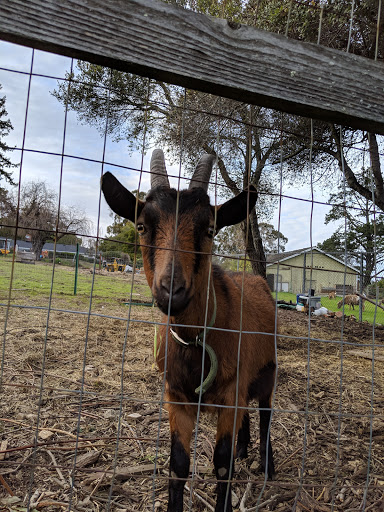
(369, 268)
(254, 245)
(37, 247)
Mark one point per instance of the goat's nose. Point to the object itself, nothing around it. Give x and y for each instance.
(167, 285)
(174, 293)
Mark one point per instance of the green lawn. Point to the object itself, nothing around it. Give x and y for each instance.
(34, 282)
(331, 305)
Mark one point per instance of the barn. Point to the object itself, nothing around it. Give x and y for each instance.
(304, 269)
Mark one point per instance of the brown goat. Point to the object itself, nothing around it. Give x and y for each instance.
(351, 300)
(176, 235)
(332, 294)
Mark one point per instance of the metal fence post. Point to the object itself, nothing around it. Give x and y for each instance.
(361, 288)
(76, 269)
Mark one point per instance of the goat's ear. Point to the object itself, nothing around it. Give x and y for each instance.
(236, 209)
(119, 199)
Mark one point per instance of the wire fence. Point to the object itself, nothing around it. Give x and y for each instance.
(84, 412)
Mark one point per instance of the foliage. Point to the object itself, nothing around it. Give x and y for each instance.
(362, 230)
(335, 25)
(247, 143)
(123, 239)
(5, 163)
(230, 240)
(38, 216)
(273, 240)
(70, 239)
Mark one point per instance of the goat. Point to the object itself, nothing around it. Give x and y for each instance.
(352, 300)
(176, 231)
(331, 294)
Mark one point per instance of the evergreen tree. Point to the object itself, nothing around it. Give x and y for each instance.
(5, 128)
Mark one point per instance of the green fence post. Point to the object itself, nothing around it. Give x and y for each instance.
(76, 268)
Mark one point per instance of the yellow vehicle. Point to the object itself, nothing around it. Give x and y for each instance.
(4, 251)
(115, 266)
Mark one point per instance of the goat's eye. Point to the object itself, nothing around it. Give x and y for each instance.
(211, 232)
(140, 229)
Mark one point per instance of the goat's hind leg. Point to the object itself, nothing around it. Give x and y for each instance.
(266, 454)
(243, 438)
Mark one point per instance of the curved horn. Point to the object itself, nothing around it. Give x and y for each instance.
(203, 172)
(158, 171)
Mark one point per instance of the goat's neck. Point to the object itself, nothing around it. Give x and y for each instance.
(196, 313)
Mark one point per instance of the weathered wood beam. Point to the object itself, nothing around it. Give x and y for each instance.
(168, 43)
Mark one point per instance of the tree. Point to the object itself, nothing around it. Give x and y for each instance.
(245, 147)
(354, 27)
(39, 217)
(273, 240)
(6, 210)
(362, 230)
(123, 239)
(230, 241)
(336, 25)
(5, 128)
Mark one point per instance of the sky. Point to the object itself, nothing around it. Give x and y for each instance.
(39, 128)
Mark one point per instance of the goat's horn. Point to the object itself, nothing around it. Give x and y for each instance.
(203, 172)
(158, 170)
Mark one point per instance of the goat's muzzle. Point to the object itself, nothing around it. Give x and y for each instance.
(172, 298)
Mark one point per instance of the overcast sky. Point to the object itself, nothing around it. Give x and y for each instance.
(44, 132)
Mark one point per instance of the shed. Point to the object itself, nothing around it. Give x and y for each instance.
(310, 269)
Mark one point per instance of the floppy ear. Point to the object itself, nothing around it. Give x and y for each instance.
(236, 209)
(119, 199)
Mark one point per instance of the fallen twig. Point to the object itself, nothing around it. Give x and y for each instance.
(200, 498)
(6, 486)
(56, 467)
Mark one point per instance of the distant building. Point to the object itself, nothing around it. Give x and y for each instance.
(304, 269)
(23, 245)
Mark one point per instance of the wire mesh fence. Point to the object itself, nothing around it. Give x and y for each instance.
(84, 411)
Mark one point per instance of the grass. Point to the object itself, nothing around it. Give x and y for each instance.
(331, 305)
(35, 282)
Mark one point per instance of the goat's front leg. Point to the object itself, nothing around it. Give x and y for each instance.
(223, 458)
(181, 421)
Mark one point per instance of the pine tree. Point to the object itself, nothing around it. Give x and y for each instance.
(5, 128)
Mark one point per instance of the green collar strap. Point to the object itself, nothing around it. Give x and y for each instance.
(199, 340)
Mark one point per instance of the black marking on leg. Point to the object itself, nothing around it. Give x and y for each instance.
(179, 468)
(243, 438)
(265, 440)
(262, 386)
(224, 471)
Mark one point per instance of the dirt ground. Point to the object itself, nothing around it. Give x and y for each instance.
(81, 401)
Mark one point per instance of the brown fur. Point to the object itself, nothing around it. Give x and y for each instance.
(332, 295)
(351, 300)
(250, 310)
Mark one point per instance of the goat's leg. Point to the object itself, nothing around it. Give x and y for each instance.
(243, 438)
(223, 458)
(266, 454)
(181, 421)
